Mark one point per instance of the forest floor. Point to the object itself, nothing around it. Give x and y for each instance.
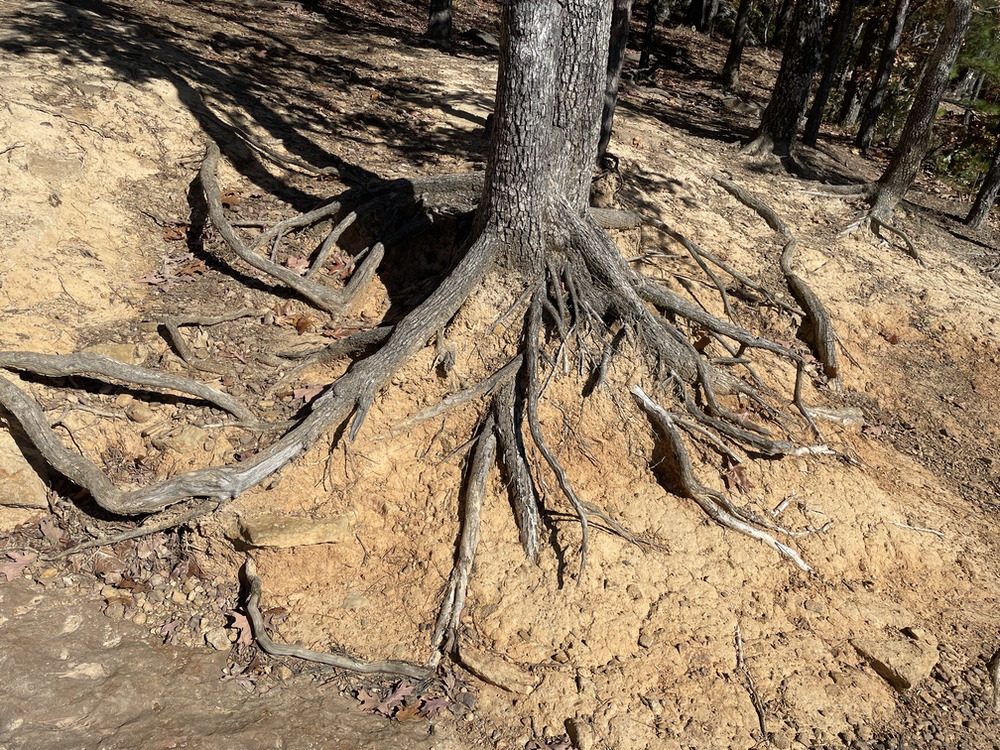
(107, 109)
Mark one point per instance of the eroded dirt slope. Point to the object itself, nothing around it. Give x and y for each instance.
(107, 110)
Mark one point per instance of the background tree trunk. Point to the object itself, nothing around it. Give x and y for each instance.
(876, 94)
(987, 194)
(798, 66)
(850, 106)
(439, 21)
(731, 70)
(782, 22)
(838, 36)
(913, 142)
(657, 11)
(701, 14)
(621, 20)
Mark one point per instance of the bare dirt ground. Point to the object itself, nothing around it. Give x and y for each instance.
(107, 109)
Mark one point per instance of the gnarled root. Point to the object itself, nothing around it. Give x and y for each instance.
(584, 307)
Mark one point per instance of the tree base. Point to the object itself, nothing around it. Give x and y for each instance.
(585, 307)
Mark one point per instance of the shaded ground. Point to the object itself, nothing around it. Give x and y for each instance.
(103, 235)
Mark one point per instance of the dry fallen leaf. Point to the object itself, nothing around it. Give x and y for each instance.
(302, 323)
(407, 712)
(18, 562)
(230, 198)
(241, 625)
(307, 392)
(297, 263)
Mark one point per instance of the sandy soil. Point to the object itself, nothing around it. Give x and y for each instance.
(106, 112)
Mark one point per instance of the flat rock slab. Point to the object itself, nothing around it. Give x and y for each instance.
(75, 680)
(286, 531)
(20, 486)
(902, 661)
(497, 671)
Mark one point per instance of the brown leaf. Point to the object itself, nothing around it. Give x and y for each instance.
(192, 267)
(50, 530)
(18, 562)
(431, 706)
(230, 198)
(307, 392)
(368, 702)
(302, 323)
(241, 625)
(735, 478)
(176, 232)
(407, 712)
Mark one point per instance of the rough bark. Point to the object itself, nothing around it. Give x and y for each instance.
(798, 66)
(876, 94)
(987, 194)
(657, 12)
(731, 70)
(782, 22)
(621, 20)
(439, 21)
(913, 142)
(850, 106)
(834, 48)
(701, 14)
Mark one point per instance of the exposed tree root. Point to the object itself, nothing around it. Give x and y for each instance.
(340, 661)
(109, 370)
(880, 224)
(173, 323)
(581, 309)
(821, 329)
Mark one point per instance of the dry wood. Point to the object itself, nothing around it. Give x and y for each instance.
(446, 627)
(821, 329)
(341, 661)
(109, 370)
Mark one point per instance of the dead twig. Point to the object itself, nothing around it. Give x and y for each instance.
(758, 704)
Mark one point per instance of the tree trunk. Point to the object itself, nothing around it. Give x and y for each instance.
(552, 76)
(621, 20)
(731, 70)
(987, 194)
(439, 22)
(876, 94)
(782, 22)
(798, 66)
(701, 14)
(913, 143)
(657, 11)
(838, 36)
(850, 106)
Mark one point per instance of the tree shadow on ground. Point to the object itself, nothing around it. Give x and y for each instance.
(247, 78)
(303, 83)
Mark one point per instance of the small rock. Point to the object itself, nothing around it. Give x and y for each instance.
(115, 610)
(354, 600)
(178, 597)
(864, 733)
(780, 740)
(902, 662)
(189, 440)
(120, 352)
(496, 671)
(284, 531)
(284, 673)
(645, 640)
(580, 734)
(218, 639)
(20, 485)
(139, 412)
